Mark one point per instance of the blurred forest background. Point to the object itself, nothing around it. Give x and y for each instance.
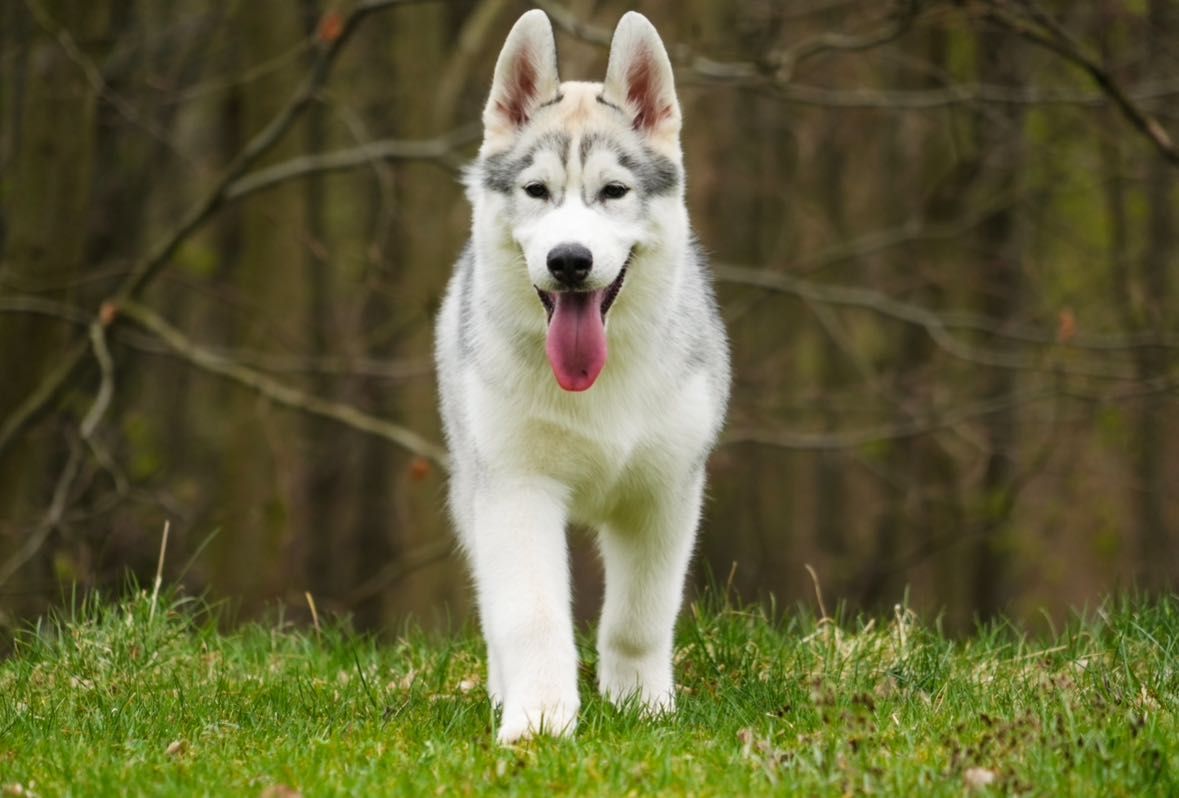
(943, 233)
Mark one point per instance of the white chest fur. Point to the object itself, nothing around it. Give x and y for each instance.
(625, 437)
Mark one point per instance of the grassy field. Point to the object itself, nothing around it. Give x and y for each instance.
(115, 699)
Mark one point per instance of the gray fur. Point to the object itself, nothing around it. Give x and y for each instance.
(657, 174)
(500, 170)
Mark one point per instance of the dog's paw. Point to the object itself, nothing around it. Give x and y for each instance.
(524, 719)
(646, 685)
(652, 703)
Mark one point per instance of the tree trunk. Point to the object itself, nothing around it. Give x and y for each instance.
(1000, 143)
(52, 112)
(262, 253)
(1159, 256)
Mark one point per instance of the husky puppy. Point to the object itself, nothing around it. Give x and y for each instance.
(583, 370)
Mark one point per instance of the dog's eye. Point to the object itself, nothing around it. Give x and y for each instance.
(614, 191)
(537, 190)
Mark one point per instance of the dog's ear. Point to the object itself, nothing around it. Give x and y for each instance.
(639, 79)
(525, 75)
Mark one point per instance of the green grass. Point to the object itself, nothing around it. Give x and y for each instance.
(112, 701)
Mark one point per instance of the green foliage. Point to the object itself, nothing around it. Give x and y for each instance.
(113, 699)
(144, 443)
(199, 258)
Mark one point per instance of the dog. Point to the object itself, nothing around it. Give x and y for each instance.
(583, 373)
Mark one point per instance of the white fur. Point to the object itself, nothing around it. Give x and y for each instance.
(625, 457)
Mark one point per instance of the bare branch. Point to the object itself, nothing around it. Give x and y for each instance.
(39, 400)
(97, 83)
(903, 17)
(53, 517)
(1040, 28)
(777, 68)
(65, 481)
(438, 150)
(148, 267)
(278, 363)
(144, 271)
(381, 369)
(282, 394)
(17, 303)
(959, 94)
(776, 73)
(400, 567)
(106, 388)
(933, 422)
(936, 326)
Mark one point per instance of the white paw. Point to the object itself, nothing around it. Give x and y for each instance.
(524, 719)
(648, 684)
(652, 703)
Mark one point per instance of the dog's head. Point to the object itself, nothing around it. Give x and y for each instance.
(580, 180)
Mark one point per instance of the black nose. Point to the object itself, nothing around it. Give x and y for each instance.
(570, 263)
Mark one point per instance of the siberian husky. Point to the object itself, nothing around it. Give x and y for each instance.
(584, 372)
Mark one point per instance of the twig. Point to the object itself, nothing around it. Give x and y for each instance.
(788, 60)
(1042, 29)
(775, 74)
(40, 533)
(818, 591)
(159, 580)
(440, 149)
(94, 77)
(401, 567)
(314, 612)
(283, 363)
(958, 94)
(853, 440)
(146, 269)
(38, 401)
(106, 388)
(283, 394)
(934, 325)
(377, 368)
(901, 614)
(39, 306)
(855, 296)
(775, 68)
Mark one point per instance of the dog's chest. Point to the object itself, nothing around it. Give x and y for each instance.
(606, 447)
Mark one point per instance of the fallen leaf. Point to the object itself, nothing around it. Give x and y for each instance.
(176, 748)
(18, 789)
(745, 737)
(280, 791)
(405, 682)
(977, 778)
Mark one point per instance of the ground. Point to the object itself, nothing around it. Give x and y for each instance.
(154, 698)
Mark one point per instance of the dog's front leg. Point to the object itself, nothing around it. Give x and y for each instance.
(645, 554)
(520, 558)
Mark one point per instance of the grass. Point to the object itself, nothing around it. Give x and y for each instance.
(113, 699)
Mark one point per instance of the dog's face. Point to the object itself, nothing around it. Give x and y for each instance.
(575, 174)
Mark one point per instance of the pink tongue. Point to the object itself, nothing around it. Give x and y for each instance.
(577, 339)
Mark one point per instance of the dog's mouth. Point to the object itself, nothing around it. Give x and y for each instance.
(576, 343)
